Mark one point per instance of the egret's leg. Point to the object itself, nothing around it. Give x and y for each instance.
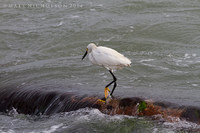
(114, 81)
(115, 84)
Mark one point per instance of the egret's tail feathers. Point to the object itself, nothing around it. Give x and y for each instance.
(129, 64)
(125, 62)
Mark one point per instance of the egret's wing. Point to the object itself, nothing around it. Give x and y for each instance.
(109, 57)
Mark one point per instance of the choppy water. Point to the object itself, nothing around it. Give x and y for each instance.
(41, 45)
(86, 120)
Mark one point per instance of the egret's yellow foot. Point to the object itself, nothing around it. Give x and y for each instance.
(107, 92)
(100, 100)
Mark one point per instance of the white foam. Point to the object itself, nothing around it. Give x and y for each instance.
(53, 128)
(61, 23)
(74, 16)
(166, 15)
(182, 124)
(194, 55)
(23, 83)
(195, 85)
(108, 39)
(87, 114)
(13, 112)
(9, 131)
(186, 60)
(155, 66)
(100, 5)
(147, 60)
(80, 83)
(93, 9)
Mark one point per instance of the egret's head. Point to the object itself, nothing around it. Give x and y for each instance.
(90, 47)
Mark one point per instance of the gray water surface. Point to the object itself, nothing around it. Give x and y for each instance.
(42, 43)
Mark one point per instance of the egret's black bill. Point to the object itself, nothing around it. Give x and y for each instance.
(84, 55)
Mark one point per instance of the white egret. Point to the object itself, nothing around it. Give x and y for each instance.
(108, 58)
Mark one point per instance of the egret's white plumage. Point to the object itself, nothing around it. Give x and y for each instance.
(107, 57)
(110, 59)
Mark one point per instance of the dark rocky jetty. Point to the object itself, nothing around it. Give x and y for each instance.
(36, 102)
